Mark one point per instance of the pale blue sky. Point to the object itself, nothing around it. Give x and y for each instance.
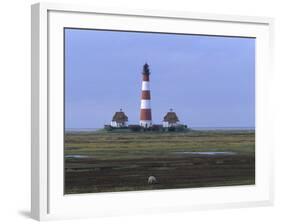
(209, 81)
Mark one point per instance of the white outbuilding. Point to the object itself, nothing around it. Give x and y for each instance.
(119, 120)
(170, 120)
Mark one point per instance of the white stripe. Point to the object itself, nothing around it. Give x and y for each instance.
(145, 104)
(145, 85)
(145, 123)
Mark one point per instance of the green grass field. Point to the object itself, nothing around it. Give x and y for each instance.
(112, 161)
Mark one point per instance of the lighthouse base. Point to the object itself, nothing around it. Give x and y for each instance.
(145, 124)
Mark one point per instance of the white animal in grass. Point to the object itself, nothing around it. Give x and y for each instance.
(152, 180)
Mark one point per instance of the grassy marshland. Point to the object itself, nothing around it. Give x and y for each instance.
(102, 162)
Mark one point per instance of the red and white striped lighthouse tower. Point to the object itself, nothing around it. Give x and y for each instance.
(145, 113)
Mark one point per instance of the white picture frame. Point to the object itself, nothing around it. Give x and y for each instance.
(48, 200)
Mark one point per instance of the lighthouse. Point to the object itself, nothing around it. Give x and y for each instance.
(145, 112)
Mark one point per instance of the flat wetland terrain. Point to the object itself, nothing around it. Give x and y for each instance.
(123, 161)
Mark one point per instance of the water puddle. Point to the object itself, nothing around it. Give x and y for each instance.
(207, 153)
(76, 156)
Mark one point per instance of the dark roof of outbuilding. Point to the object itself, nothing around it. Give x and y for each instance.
(120, 117)
(171, 117)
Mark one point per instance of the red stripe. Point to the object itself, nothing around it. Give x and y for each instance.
(145, 114)
(145, 77)
(145, 95)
